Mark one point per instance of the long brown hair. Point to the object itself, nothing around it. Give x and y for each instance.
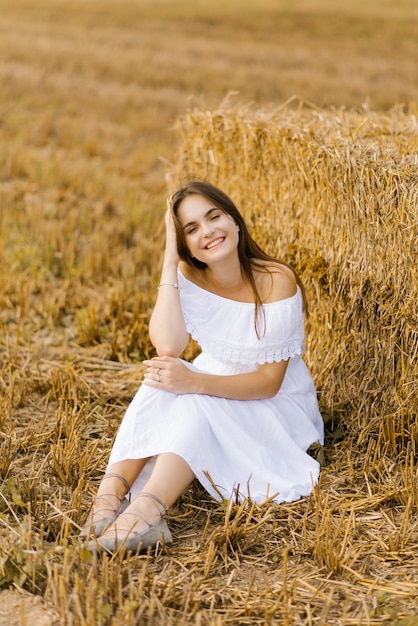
(249, 252)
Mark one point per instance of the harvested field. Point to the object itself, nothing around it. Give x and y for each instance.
(103, 108)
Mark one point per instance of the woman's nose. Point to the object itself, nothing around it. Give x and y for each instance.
(208, 229)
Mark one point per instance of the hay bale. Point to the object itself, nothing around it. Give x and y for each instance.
(335, 193)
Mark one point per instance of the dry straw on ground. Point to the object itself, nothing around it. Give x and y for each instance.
(335, 193)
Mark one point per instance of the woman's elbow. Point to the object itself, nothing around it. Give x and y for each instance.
(273, 376)
(271, 391)
(169, 348)
(272, 387)
(265, 391)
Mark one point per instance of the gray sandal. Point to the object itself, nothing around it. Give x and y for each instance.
(97, 527)
(133, 541)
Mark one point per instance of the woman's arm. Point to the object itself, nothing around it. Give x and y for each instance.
(167, 328)
(171, 374)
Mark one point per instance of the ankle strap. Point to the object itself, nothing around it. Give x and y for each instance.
(121, 478)
(151, 495)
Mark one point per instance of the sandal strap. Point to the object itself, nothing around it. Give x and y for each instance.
(139, 515)
(108, 495)
(121, 478)
(156, 498)
(105, 497)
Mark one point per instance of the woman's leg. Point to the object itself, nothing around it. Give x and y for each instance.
(170, 477)
(109, 500)
(128, 469)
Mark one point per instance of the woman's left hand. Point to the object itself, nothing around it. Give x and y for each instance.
(170, 374)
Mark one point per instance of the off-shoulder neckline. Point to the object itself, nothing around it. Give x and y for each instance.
(252, 304)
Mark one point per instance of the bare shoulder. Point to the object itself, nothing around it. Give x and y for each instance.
(278, 282)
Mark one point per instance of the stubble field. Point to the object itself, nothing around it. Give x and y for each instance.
(89, 96)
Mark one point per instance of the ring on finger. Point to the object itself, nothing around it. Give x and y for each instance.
(158, 371)
(158, 379)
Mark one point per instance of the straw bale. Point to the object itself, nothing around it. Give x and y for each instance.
(335, 193)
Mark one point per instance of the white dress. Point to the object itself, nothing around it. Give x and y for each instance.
(249, 448)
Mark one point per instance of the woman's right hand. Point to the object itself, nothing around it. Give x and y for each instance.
(171, 251)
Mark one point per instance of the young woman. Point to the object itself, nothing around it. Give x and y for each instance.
(241, 417)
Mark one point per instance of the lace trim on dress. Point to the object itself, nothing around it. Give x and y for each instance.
(270, 353)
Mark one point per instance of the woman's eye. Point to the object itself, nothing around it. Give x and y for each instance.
(215, 216)
(191, 230)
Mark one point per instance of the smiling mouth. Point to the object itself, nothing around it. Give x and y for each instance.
(214, 243)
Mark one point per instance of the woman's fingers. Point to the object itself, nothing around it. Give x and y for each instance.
(168, 373)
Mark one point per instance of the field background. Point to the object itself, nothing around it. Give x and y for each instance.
(89, 96)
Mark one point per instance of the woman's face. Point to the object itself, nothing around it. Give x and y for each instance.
(210, 234)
